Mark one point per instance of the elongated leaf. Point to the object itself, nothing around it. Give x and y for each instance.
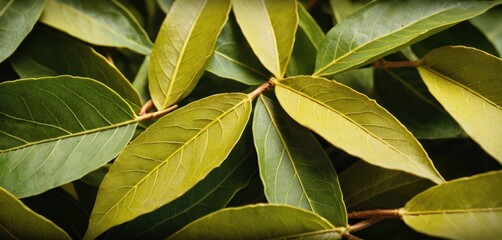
(54, 130)
(354, 123)
(361, 80)
(270, 30)
(261, 221)
(19, 222)
(466, 208)
(17, 18)
(140, 82)
(382, 27)
(468, 83)
(165, 5)
(234, 59)
(492, 31)
(48, 53)
(169, 158)
(105, 23)
(293, 166)
(183, 47)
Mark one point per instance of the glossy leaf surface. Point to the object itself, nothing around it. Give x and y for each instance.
(351, 121)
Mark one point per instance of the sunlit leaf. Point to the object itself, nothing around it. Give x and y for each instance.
(468, 83)
(485, 23)
(356, 124)
(54, 130)
(270, 30)
(382, 27)
(261, 221)
(342, 8)
(183, 47)
(169, 158)
(465, 208)
(294, 167)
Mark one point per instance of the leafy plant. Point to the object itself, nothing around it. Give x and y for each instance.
(250, 119)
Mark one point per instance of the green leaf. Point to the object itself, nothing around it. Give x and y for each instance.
(183, 47)
(493, 32)
(380, 28)
(55, 130)
(48, 53)
(465, 208)
(361, 80)
(104, 23)
(169, 158)
(294, 168)
(234, 59)
(140, 82)
(17, 18)
(343, 8)
(270, 30)
(165, 5)
(19, 222)
(468, 83)
(356, 124)
(260, 221)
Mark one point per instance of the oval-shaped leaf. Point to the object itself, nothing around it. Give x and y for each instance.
(293, 166)
(19, 222)
(48, 53)
(17, 18)
(260, 221)
(54, 130)
(468, 83)
(183, 47)
(270, 30)
(353, 122)
(104, 23)
(169, 158)
(382, 27)
(465, 208)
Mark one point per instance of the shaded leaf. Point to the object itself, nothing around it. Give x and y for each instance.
(104, 23)
(140, 81)
(169, 158)
(270, 30)
(165, 5)
(356, 124)
(19, 222)
(343, 8)
(465, 208)
(493, 32)
(468, 83)
(261, 221)
(293, 166)
(183, 47)
(17, 18)
(54, 130)
(383, 27)
(361, 80)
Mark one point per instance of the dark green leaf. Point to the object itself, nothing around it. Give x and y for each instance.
(486, 23)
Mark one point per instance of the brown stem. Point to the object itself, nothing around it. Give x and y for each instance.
(146, 108)
(349, 236)
(259, 90)
(364, 224)
(385, 213)
(155, 114)
(382, 63)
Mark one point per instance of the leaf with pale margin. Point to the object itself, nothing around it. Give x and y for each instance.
(294, 168)
(468, 83)
(493, 32)
(55, 130)
(48, 53)
(382, 27)
(104, 23)
(184, 45)
(20, 222)
(17, 18)
(270, 30)
(358, 125)
(260, 221)
(169, 158)
(465, 208)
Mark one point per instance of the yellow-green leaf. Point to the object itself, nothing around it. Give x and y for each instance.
(269, 26)
(351, 121)
(468, 83)
(169, 158)
(465, 208)
(184, 45)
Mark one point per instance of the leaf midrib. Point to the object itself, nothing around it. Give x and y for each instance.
(6, 8)
(276, 47)
(451, 211)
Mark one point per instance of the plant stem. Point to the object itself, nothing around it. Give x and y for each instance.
(364, 224)
(160, 113)
(349, 236)
(259, 90)
(385, 213)
(382, 63)
(148, 105)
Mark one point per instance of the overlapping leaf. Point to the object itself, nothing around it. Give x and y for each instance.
(382, 27)
(105, 23)
(468, 83)
(293, 166)
(261, 221)
(169, 158)
(354, 123)
(183, 47)
(270, 30)
(54, 130)
(466, 208)
(492, 31)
